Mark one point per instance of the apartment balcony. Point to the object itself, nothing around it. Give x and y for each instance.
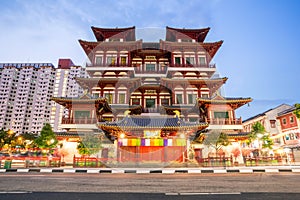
(224, 123)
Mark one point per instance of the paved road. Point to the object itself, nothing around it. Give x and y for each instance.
(150, 183)
(147, 196)
(176, 186)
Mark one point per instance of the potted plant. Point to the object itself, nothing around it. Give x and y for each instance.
(236, 153)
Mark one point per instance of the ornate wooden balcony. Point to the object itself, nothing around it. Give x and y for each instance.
(141, 71)
(79, 121)
(190, 65)
(223, 121)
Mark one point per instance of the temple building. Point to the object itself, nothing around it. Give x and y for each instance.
(152, 99)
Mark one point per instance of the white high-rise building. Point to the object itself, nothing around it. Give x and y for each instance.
(25, 92)
(65, 86)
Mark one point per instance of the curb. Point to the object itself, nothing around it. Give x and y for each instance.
(151, 171)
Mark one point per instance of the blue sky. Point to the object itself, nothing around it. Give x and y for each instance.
(259, 54)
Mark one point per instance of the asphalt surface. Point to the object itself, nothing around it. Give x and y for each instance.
(147, 196)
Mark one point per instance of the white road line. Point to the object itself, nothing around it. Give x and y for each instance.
(202, 193)
(171, 194)
(15, 192)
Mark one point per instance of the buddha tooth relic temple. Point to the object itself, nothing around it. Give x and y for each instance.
(151, 100)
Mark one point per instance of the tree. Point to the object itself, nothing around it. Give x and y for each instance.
(216, 140)
(259, 133)
(47, 138)
(90, 144)
(297, 110)
(29, 139)
(7, 138)
(257, 128)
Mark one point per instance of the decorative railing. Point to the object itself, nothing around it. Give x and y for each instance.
(141, 71)
(193, 65)
(79, 121)
(221, 161)
(89, 161)
(223, 121)
(29, 161)
(276, 160)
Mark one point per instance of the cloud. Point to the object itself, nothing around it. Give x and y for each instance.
(43, 31)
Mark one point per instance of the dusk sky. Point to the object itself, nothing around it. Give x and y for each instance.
(259, 54)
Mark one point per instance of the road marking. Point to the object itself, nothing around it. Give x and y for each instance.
(201, 193)
(220, 171)
(296, 170)
(23, 170)
(171, 194)
(15, 192)
(271, 170)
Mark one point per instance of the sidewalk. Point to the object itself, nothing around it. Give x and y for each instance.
(214, 170)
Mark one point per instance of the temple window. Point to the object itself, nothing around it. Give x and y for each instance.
(221, 114)
(98, 60)
(204, 95)
(150, 103)
(150, 67)
(202, 60)
(189, 60)
(109, 97)
(81, 114)
(135, 101)
(123, 60)
(193, 119)
(179, 99)
(177, 60)
(111, 60)
(165, 102)
(192, 98)
(121, 98)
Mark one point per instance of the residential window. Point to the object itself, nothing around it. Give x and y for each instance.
(189, 60)
(292, 120)
(192, 98)
(150, 67)
(179, 98)
(98, 60)
(121, 98)
(178, 60)
(273, 123)
(109, 97)
(202, 60)
(284, 121)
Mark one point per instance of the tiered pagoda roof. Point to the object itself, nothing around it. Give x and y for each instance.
(210, 47)
(218, 99)
(198, 35)
(134, 122)
(67, 100)
(128, 34)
